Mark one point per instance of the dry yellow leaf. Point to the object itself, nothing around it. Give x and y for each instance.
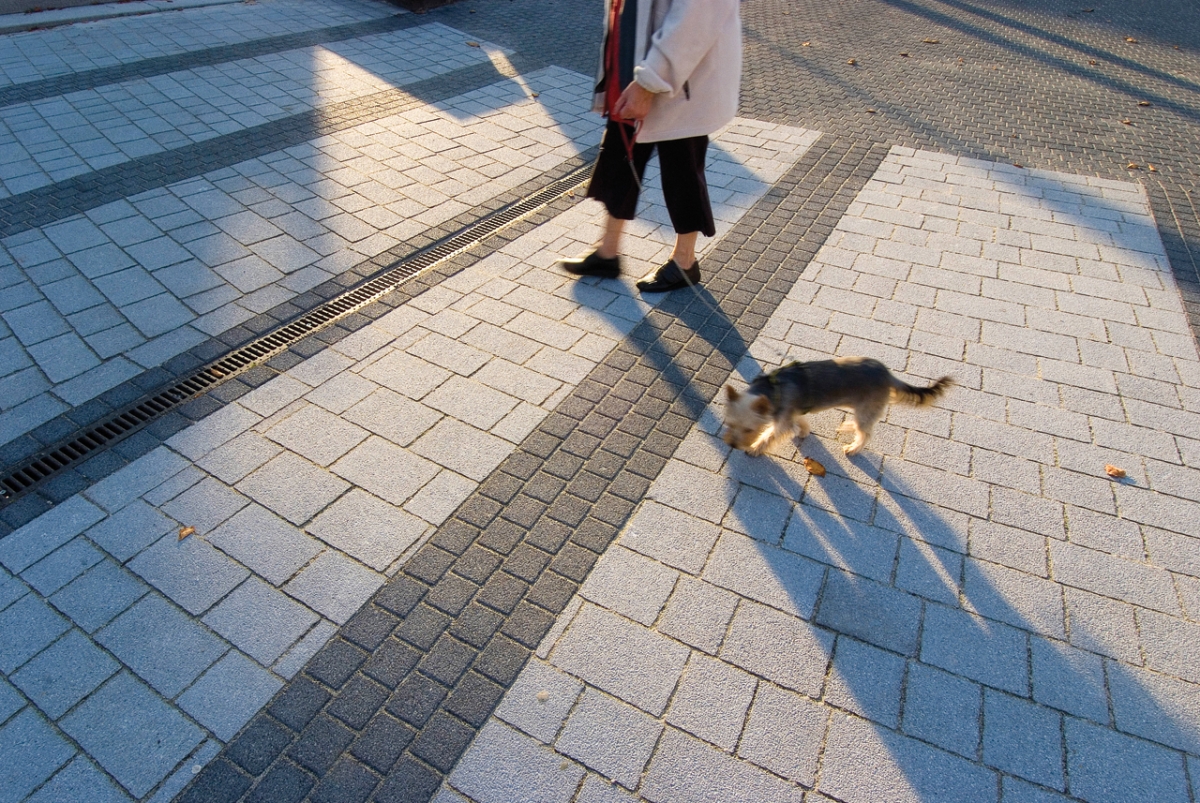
(1131, 40)
(814, 467)
(851, 61)
(1133, 166)
(184, 532)
(472, 44)
(1127, 121)
(806, 44)
(1113, 471)
(535, 94)
(932, 41)
(1092, 62)
(905, 54)
(1152, 168)
(1143, 103)
(1018, 164)
(870, 111)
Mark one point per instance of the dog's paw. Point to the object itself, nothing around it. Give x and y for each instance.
(852, 449)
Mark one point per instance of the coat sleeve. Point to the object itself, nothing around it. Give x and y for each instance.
(688, 32)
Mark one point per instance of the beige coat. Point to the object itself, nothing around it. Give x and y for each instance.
(689, 53)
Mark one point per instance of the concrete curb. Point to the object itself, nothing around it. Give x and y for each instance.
(34, 20)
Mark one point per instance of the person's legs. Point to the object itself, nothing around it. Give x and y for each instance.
(614, 185)
(685, 191)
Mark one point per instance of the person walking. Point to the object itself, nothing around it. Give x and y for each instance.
(670, 72)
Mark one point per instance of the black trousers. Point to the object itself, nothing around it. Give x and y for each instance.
(684, 187)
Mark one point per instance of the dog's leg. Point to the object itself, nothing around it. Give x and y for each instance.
(802, 427)
(866, 415)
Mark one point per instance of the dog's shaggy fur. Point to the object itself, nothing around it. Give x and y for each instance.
(774, 405)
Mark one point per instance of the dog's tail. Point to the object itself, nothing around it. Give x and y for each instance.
(903, 391)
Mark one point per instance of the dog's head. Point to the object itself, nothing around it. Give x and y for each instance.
(749, 420)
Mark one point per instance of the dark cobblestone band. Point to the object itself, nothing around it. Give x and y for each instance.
(384, 711)
(111, 458)
(1177, 212)
(45, 205)
(162, 65)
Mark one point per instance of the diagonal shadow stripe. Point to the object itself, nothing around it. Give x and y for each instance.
(1177, 213)
(388, 706)
(45, 205)
(161, 65)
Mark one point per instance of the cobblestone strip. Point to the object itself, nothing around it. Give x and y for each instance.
(45, 205)
(1177, 214)
(112, 459)
(387, 707)
(161, 65)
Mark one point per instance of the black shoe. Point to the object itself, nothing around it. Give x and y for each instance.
(593, 265)
(670, 277)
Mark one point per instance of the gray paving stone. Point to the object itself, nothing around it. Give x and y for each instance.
(784, 733)
(131, 732)
(30, 751)
(539, 700)
(864, 763)
(685, 769)
(629, 584)
(237, 458)
(943, 709)
(11, 589)
(292, 487)
(870, 611)
(127, 484)
(334, 586)
(62, 566)
(161, 644)
(1156, 707)
(712, 700)
(697, 492)
(1103, 625)
(405, 374)
(698, 614)
(343, 391)
(756, 513)
(27, 627)
(1107, 767)
(265, 543)
(991, 653)
(80, 780)
(205, 505)
(229, 694)
(470, 402)
(867, 681)
(1170, 645)
(667, 535)
(367, 528)
(27, 545)
(440, 497)
(260, 621)
(386, 470)
(463, 449)
(781, 648)
(929, 571)
(1069, 679)
(298, 656)
(1021, 600)
(628, 661)
(10, 701)
(64, 673)
(388, 414)
(846, 544)
(609, 737)
(63, 357)
(91, 601)
(272, 397)
(190, 571)
(1023, 738)
(35, 323)
(504, 765)
(317, 435)
(517, 381)
(597, 790)
(771, 575)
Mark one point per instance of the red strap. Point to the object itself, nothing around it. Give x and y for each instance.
(612, 59)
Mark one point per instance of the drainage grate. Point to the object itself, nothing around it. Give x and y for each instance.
(129, 420)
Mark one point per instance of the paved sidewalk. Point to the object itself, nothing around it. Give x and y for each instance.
(480, 540)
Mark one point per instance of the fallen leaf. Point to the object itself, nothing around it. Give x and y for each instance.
(1113, 471)
(1152, 168)
(932, 41)
(1092, 62)
(870, 111)
(851, 61)
(806, 44)
(1133, 166)
(1131, 40)
(814, 467)
(543, 696)
(1127, 121)
(905, 55)
(1018, 164)
(472, 44)
(184, 532)
(1143, 103)
(535, 94)
(570, 193)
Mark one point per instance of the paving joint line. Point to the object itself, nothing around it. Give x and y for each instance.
(435, 649)
(43, 88)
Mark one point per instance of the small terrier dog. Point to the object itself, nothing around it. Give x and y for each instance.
(775, 404)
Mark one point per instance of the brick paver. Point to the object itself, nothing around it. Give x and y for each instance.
(480, 540)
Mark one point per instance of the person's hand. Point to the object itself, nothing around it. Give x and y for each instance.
(634, 103)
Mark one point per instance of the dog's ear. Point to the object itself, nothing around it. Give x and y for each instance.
(732, 394)
(761, 405)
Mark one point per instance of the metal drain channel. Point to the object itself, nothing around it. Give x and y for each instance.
(125, 422)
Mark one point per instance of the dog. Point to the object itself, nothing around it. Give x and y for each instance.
(775, 404)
